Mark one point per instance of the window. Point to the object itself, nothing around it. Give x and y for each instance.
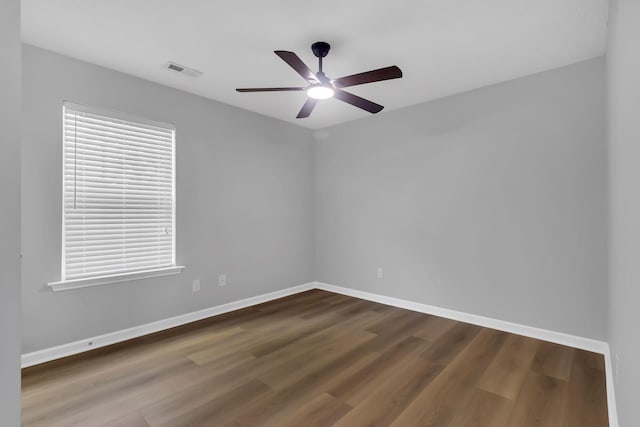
(118, 219)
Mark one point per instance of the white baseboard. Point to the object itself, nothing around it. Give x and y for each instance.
(64, 350)
(502, 325)
(76, 347)
(611, 393)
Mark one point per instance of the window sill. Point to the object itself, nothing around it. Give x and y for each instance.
(64, 285)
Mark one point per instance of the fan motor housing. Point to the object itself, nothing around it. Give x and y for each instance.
(320, 49)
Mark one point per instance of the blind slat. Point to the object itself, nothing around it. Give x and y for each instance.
(103, 241)
(115, 123)
(108, 249)
(97, 159)
(107, 259)
(97, 167)
(77, 128)
(77, 273)
(82, 140)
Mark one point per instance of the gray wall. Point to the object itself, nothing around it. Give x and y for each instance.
(244, 203)
(623, 71)
(10, 213)
(491, 202)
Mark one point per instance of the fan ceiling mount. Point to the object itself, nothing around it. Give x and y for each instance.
(321, 87)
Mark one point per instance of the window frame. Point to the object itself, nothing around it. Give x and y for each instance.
(66, 284)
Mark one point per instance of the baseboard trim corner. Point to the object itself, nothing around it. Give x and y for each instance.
(611, 392)
(76, 347)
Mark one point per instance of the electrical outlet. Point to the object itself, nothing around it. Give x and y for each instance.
(222, 280)
(380, 273)
(195, 285)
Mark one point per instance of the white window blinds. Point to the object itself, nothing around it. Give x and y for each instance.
(119, 194)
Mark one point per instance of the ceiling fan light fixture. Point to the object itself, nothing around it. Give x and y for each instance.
(319, 86)
(320, 92)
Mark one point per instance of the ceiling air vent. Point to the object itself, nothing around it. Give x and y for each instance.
(191, 72)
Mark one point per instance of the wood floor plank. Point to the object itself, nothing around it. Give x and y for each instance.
(269, 410)
(451, 343)
(396, 331)
(448, 393)
(507, 372)
(113, 365)
(192, 394)
(391, 321)
(324, 410)
(387, 401)
(96, 403)
(133, 419)
(554, 360)
(284, 360)
(212, 412)
(357, 386)
(589, 359)
(221, 359)
(320, 359)
(435, 327)
(541, 402)
(484, 409)
(318, 309)
(232, 343)
(288, 336)
(300, 367)
(587, 391)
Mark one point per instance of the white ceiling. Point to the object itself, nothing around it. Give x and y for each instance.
(442, 46)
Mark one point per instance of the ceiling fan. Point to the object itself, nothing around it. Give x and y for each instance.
(322, 87)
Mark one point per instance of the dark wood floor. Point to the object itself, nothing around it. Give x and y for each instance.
(321, 359)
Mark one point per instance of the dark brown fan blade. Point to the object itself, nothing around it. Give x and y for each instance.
(380, 74)
(271, 89)
(356, 101)
(296, 63)
(307, 108)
